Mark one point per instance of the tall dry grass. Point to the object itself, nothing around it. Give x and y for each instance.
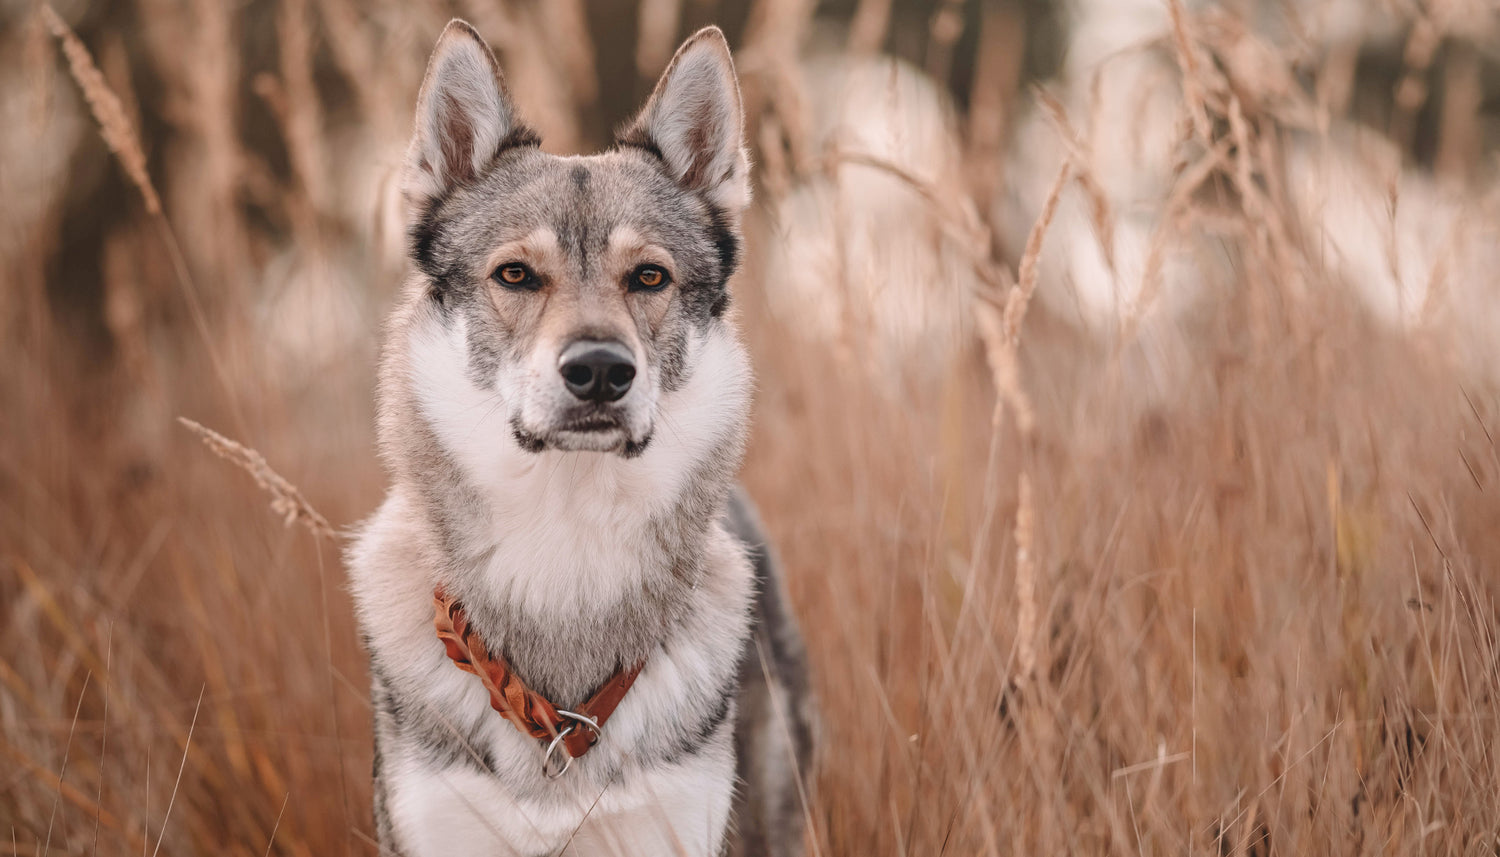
(1219, 580)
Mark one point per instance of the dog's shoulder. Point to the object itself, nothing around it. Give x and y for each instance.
(392, 566)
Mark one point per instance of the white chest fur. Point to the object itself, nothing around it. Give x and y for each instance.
(435, 802)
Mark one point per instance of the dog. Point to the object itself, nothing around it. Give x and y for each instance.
(578, 638)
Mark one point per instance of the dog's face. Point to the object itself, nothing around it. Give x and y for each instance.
(577, 287)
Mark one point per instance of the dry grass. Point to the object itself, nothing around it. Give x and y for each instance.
(286, 500)
(114, 125)
(1236, 596)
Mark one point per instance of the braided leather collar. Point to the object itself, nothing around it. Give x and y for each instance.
(528, 710)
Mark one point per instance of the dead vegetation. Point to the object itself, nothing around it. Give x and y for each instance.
(1215, 574)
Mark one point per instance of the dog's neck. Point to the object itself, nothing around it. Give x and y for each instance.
(566, 594)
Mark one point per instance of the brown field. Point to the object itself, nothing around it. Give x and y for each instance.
(1219, 578)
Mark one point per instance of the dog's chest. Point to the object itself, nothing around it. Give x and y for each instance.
(665, 755)
(572, 581)
(679, 808)
(623, 609)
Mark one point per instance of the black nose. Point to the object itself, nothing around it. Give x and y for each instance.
(597, 371)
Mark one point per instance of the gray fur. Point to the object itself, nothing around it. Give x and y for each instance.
(773, 737)
(469, 391)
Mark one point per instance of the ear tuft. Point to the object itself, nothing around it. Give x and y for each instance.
(695, 122)
(465, 117)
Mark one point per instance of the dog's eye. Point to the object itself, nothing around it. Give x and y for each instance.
(515, 276)
(648, 278)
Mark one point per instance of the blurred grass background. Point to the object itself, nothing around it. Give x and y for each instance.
(1126, 419)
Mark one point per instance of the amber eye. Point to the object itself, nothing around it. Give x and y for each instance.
(648, 278)
(515, 276)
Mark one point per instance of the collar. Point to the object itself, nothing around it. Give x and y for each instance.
(573, 732)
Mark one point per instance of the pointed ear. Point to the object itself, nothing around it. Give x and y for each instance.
(695, 122)
(465, 118)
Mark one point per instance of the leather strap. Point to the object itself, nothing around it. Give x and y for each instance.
(528, 710)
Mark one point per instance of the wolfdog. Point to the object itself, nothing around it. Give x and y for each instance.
(577, 636)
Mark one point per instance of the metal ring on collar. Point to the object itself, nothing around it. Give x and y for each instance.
(586, 720)
(557, 741)
(551, 749)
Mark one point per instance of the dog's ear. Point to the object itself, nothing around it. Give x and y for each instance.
(465, 117)
(694, 121)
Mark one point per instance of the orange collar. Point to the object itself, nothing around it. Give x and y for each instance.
(529, 711)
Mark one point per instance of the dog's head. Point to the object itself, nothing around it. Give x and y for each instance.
(578, 290)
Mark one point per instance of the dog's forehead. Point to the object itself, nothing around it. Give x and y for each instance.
(584, 200)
